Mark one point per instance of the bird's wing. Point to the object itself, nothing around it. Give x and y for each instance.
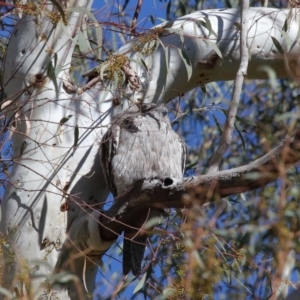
(183, 153)
(108, 149)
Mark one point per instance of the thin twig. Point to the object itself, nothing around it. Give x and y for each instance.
(91, 83)
(135, 16)
(242, 72)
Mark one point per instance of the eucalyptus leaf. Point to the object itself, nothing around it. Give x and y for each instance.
(6, 293)
(76, 135)
(277, 45)
(82, 42)
(141, 284)
(214, 47)
(187, 63)
(60, 9)
(239, 131)
(65, 119)
(52, 75)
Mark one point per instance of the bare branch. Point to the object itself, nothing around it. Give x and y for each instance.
(135, 16)
(241, 73)
(172, 192)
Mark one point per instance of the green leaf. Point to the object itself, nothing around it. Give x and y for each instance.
(199, 260)
(215, 86)
(116, 79)
(181, 35)
(217, 123)
(228, 4)
(168, 10)
(277, 45)
(144, 65)
(152, 20)
(246, 121)
(102, 70)
(166, 59)
(224, 111)
(202, 23)
(253, 176)
(156, 45)
(141, 284)
(63, 278)
(76, 135)
(287, 115)
(153, 222)
(239, 131)
(227, 272)
(187, 62)
(6, 293)
(51, 74)
(82, 42)
(60, 9)
(122, 80)
(163, 20)
(207, 24)
(271, 74)
(237, 25)
(65, 119)
(182, 8)
(55, 61)
(169, 292)
(106, 92)
(99, 39)
(171, 30)
(285, 25)
(287, 40)
(235, 265)
(23, 147)
(209, 27)
(149, 46)
(191, 165)
(214, 47)
(203, 89)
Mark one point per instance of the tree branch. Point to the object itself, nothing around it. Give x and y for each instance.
(135, 17)
(172, 192)
(238, 84)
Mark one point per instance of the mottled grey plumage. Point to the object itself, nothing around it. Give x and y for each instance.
(140, 144)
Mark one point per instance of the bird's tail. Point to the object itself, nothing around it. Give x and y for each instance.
(134, 244)
(133, 253)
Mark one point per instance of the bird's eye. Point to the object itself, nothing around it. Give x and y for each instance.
(164, 112)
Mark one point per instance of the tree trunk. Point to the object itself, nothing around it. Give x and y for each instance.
(48, 169)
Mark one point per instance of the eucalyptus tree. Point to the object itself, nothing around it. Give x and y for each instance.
(54, 230)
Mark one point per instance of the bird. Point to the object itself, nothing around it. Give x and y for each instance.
(140, 144)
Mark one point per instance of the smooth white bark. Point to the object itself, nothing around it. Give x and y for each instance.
(45, 160)
(162, 83)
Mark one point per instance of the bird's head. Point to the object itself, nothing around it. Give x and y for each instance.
(148, 107)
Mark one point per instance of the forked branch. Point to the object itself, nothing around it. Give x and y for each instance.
(238, 84)
(172, 192)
